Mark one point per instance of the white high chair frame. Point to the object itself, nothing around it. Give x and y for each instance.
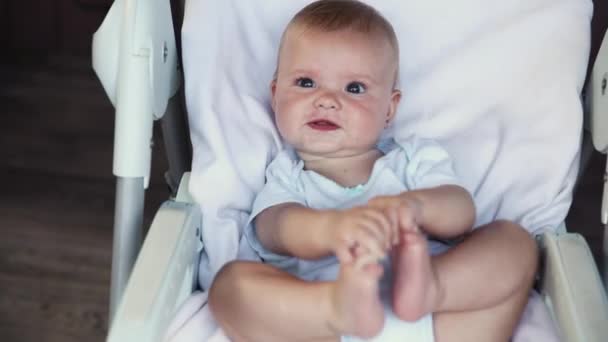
(136, 58)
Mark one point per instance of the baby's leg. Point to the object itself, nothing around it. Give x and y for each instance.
(496, 323)
(257, 302)
(483, 281)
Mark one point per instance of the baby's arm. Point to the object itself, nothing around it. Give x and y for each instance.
(446, 211)
(292, 229)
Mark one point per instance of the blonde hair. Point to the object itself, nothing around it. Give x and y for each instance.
(339, 15)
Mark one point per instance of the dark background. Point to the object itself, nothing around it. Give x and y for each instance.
(57, 194)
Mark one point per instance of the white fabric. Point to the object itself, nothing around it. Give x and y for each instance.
(536, 324)
(497, 84)
(408, 165)
(397, 330)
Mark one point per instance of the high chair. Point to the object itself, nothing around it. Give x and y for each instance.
(136, 57)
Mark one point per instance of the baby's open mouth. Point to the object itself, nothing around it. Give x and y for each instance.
(323, 125)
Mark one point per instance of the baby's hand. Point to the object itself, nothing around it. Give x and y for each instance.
(404, 210)
(364, 233)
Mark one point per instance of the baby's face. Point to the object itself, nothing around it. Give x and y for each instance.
(334, 94)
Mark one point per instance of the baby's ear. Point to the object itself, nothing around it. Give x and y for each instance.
(273, 90)
(392, 109)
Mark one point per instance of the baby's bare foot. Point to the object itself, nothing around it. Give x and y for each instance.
(358, 309)
(416, 290)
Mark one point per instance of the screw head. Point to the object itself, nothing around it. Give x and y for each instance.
(165, 52)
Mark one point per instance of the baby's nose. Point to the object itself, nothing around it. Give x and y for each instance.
(327, 100)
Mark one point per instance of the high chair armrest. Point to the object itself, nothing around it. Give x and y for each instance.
(572, 288)
(163, 277)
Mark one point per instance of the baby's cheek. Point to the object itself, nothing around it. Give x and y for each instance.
(286, 127)
(282, 127)
(370, 122)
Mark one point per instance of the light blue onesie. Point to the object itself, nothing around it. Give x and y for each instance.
(412, 164)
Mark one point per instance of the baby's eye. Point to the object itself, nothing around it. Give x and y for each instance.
(355, 88)
(305, 82)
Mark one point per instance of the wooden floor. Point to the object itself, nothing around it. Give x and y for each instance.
(57, 202)
(57, 198)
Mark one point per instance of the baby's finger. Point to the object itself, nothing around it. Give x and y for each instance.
(390, 211)
(407, 222)
(363, 257)
(393, 216)
(382, 225)
(372, 245)
(374, 232)
(371, 227)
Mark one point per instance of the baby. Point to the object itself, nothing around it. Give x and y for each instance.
(345, 222)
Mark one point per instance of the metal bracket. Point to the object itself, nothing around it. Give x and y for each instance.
(598, 98)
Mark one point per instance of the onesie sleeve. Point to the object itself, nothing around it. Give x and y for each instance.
(281, 187)
(427, 164)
